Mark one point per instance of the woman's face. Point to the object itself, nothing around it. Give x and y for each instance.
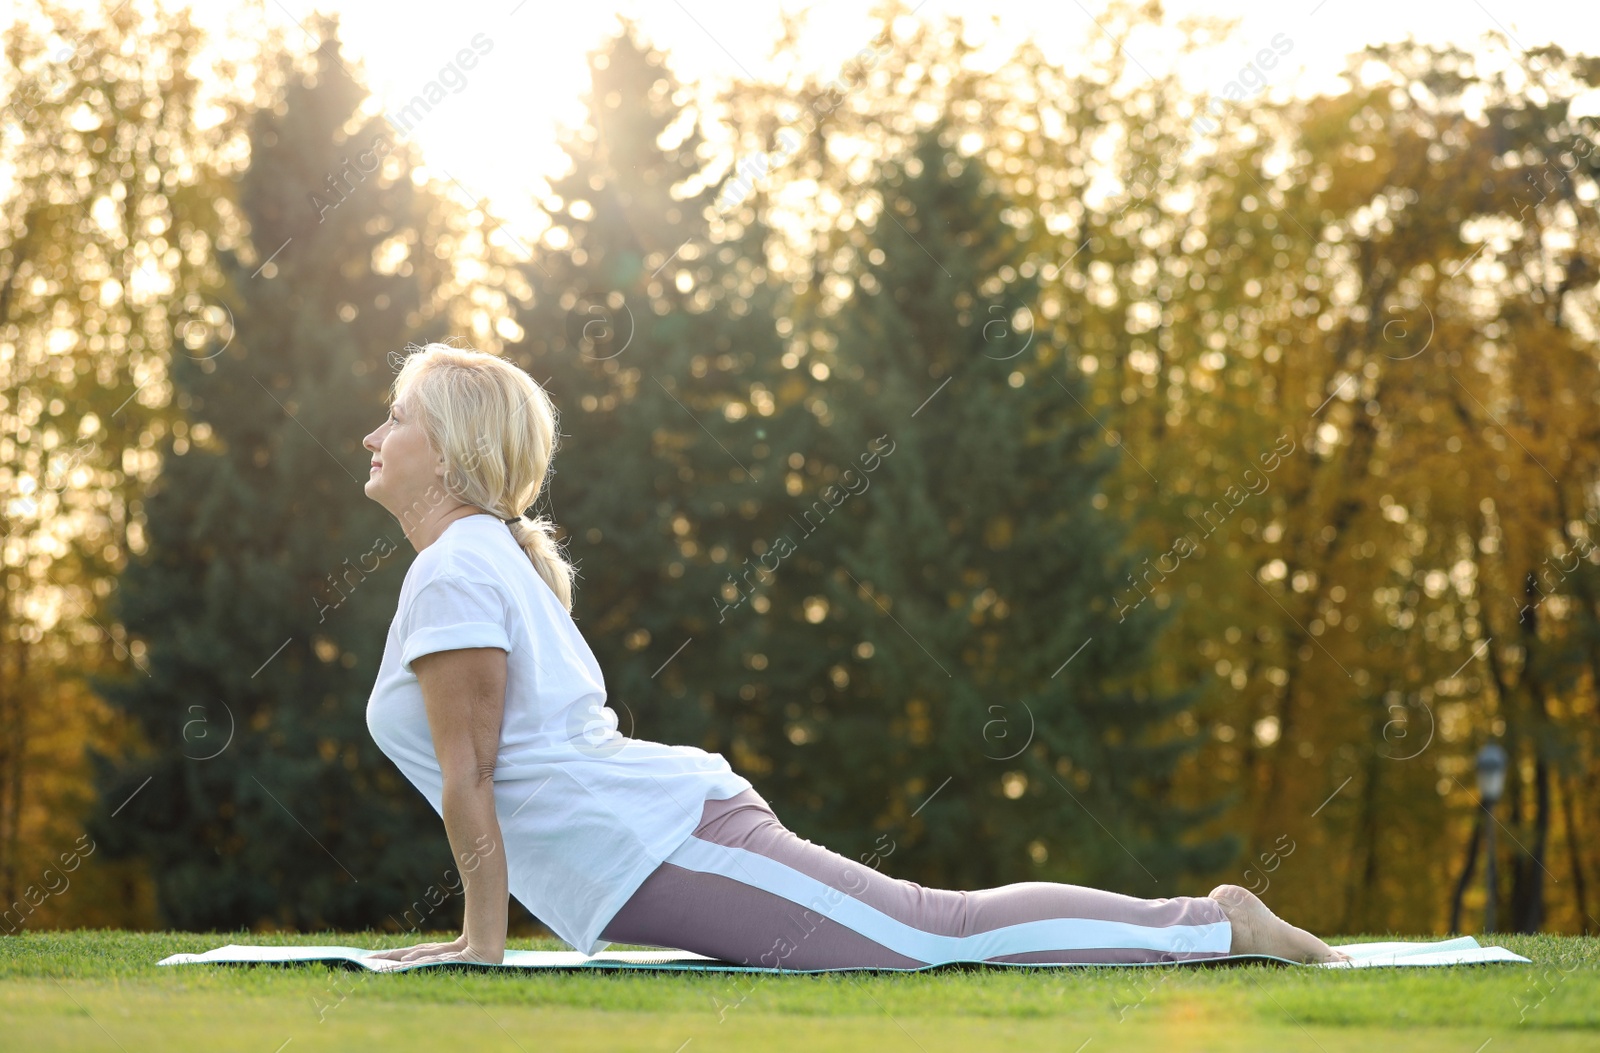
(404, 468)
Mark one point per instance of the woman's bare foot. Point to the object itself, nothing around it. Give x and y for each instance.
(1256, 930)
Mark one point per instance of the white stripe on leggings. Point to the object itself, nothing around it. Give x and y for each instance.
(1050, 934)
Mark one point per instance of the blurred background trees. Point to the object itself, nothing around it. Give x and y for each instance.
(110, 214)
(1242, 484)
(262, 549)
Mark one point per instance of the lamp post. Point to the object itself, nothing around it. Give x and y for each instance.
(1491, 784)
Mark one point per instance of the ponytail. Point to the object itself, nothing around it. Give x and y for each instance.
(537, 538)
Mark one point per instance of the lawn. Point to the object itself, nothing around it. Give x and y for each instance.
(101, 990)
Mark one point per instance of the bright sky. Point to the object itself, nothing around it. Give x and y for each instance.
(496, 135)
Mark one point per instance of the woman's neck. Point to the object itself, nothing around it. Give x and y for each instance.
(429, 530)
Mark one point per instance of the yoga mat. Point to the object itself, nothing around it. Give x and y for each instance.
(1463, 950)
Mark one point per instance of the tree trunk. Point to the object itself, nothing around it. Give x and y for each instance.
(1466, 872)
(1575, 855)
(1365, 874)
(1527, 891)
(16, 750)
(1527, 902)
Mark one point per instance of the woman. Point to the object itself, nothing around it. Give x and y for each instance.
(490, 701)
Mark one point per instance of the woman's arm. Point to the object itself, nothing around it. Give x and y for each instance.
(464, 691)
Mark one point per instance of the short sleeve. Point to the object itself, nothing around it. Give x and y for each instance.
(453, 612)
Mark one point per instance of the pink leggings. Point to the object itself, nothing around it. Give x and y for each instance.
(743, 888)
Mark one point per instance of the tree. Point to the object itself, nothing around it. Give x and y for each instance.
(102, 192)
(653, 327)
(944, 607)
(679, 502)
(270, 578)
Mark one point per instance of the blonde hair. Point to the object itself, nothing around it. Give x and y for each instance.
(496, 429)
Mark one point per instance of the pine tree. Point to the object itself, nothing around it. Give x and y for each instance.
(655, 332)
(946, 609)
(269, 578)
(694, 449)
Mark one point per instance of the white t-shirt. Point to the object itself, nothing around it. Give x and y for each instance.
(585, 812)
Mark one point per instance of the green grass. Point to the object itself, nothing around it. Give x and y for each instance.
(101, 990)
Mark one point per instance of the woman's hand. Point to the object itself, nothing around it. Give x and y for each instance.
(421, 950)
(463, 954)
